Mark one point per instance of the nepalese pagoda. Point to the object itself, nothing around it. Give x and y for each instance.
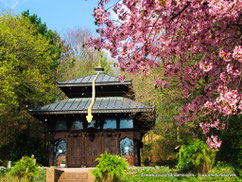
(98, 117)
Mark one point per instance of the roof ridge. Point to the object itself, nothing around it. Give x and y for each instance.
(88, 79)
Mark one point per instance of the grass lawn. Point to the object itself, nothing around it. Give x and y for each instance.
(155, 174)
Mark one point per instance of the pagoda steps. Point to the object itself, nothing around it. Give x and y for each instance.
(69, 175)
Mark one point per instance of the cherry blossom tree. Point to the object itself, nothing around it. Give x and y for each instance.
(196, 41)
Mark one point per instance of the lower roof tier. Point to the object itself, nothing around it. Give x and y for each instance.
(101, 105)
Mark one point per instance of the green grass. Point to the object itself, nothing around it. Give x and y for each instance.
(5, 177)
(221, 172)
(155, 174)
(12, 179)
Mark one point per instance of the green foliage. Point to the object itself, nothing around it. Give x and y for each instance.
(8, 178)
(79, 60)
(148, 174)
(53, 37)
(167, 135)
(41, 176)
(25, 168)
(110, 168)
(79, 67)
(230, 150)
(105, 63)
(3, 171)
(26, 71)
(5, 176)
(196, 156)
(164, 174)
(27, 76)
(26, 145)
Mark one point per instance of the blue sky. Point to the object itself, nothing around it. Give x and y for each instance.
(59, 15)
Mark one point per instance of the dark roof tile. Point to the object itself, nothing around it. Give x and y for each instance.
(101, 105)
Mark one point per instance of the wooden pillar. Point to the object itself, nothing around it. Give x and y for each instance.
(86, 150)
(116, 144)
(83, 149)
(51, 153)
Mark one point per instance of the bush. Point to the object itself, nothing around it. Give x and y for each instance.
(26, 168)
(41, 177)
(196, 156)
(3, 171)
(110, 168)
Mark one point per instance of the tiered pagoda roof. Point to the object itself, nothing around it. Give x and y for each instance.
(110, 97)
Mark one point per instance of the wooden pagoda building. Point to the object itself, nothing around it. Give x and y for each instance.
(116, 127)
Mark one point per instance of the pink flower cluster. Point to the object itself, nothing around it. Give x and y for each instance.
(162, 83)
(237, 54)
(216, 124)
(206, 66)
(121, 78)
(197, 41)
(189, 111)
(213, 142)
(100, 15)
(228, 102)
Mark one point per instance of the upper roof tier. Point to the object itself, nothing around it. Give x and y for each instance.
(106, 85)
(102, 79)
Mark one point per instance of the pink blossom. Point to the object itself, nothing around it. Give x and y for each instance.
(205, 127)
(216, 125)
(182, 38)
(208, 105)
(185, 94)
(225, 56)
(237, 54)
(205, 66)
(213, 142)
(223, 76)
(162, 83)
(121, 78)
(99, 11)
(229, 68)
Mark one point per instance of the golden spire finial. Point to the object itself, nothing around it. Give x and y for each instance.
(99, 63)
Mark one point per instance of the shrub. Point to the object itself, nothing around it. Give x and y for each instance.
(110, 168)
(41, 177)
(3, 171)
(196, 156)
(25, 168)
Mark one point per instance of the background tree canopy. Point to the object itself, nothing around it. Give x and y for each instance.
(78, 60)
(27, 75)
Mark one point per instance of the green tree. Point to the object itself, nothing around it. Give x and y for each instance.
(27, 75)
(166, 134)
(56, 44)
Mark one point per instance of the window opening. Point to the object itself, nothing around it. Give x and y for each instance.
(77, 125)
(61, 125)
(110, 124)
(126, 123)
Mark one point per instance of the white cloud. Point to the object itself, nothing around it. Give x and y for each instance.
(10, 4)
(15, 3)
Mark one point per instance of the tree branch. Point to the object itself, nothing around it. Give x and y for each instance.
(188, 4)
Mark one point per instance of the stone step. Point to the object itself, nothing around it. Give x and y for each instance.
(73, 175)
(69, 175)
(73, 180)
